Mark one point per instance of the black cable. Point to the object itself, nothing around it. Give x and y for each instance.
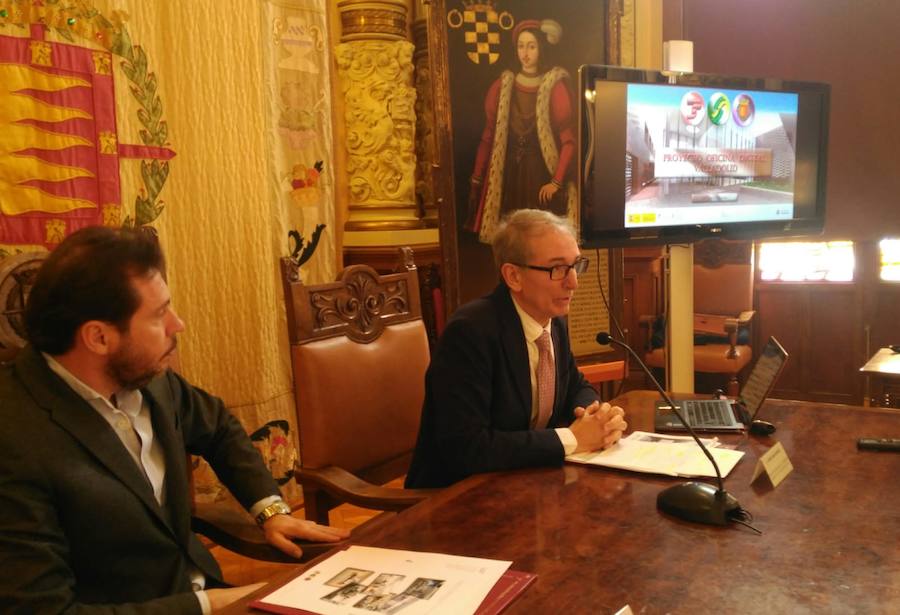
(744, 517)
(612, 319)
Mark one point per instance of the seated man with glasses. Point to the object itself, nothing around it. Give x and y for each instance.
(503, 391)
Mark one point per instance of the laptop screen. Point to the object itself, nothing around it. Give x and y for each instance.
(763, 376)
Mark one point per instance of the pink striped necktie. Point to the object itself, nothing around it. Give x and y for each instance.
(546, 380)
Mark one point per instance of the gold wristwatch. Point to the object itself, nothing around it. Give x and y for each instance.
(275, 508)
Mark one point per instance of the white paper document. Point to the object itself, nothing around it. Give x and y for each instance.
(656, 453)
(368, 579)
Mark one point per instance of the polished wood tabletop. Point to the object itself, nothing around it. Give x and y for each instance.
(594, 537)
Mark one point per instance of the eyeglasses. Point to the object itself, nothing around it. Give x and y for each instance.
(560, 272)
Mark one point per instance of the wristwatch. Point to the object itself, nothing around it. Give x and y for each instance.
(275, 508)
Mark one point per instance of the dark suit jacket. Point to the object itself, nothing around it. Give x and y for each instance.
(477, 411)
(79, 525)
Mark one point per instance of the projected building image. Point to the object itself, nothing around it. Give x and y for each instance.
(697, 155)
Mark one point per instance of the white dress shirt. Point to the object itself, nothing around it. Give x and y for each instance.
(533, 331)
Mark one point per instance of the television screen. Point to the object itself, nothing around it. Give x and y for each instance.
(669, 158)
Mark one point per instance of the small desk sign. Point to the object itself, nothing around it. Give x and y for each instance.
(775, 464)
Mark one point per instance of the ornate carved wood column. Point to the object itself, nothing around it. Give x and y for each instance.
(391, 200)
(375, 65)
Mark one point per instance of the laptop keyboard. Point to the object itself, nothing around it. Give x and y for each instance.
(704, 412)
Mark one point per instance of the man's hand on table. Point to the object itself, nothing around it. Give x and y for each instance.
(282, 530)
(598, 426)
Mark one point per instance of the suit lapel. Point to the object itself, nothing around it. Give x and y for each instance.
(559, 362)
(513, 340)
(77, 417)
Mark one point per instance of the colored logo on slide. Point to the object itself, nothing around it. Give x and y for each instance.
(744, 110)
(692, 108)
(718, 109)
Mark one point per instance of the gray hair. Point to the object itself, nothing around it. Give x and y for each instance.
(510, 242)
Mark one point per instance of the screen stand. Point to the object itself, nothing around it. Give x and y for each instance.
(679, 301)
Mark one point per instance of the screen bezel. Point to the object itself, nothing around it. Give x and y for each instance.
(811, 160)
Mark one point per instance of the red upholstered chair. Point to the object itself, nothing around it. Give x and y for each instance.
(359, 351)
(723, 310)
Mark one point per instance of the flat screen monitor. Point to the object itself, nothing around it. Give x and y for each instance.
(678, 157)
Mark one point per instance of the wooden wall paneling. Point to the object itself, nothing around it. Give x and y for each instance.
(833, 346)
(642, 293)
(882, 299)
(884, 328)
(781, 311)
(820, 327)
(629, 315)
(881, 304)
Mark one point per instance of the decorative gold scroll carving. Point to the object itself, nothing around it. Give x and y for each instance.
(376, 78)
(361, 304)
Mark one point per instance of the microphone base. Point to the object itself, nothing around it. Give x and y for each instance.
(698, 503)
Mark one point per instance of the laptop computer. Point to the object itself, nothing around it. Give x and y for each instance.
(718, 414)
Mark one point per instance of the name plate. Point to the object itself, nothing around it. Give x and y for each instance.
(774, 464)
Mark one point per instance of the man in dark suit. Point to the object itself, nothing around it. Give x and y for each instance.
(94, 428)
(502, 391)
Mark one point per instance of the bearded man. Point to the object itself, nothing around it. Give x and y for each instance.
(94, 431)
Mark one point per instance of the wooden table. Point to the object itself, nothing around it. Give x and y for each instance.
(594, 537)
(882, 367)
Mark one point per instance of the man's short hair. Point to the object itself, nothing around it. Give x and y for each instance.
(510, 242)
(88, 277)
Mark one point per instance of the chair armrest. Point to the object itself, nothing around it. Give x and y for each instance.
(349, 488)
(731, 328)
(236, 531)
(744, 318)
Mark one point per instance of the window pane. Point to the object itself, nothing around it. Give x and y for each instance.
(890, 259)
(830, 261)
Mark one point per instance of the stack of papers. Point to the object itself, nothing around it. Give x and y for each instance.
(367, 579)
(655, 453)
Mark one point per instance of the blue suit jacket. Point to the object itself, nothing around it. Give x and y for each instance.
(477, 411)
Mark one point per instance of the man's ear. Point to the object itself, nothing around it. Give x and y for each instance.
(98, 336)
(512, 275)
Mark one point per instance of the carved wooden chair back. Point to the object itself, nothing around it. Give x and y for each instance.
(723, 277)
(723, 308)
(359, 351)
(17, 274)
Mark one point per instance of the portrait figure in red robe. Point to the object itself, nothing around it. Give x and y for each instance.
(526, 154)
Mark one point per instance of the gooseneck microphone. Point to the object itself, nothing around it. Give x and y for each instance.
(691, 501)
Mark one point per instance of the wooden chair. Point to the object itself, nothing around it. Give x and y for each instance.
(359, 351)
(723, 310)
(17, 273)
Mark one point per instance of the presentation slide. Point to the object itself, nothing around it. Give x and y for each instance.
(708, 156)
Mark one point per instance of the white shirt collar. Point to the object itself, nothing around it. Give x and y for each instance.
(129, 401)
(530, 326)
